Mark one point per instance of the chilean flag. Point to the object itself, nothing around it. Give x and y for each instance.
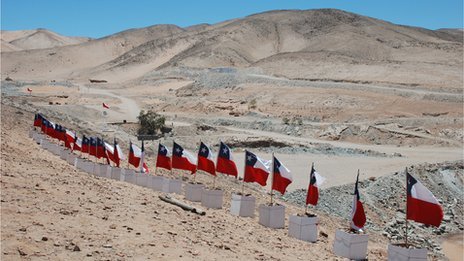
(112, 153)
(182, 159)
(205, 160)
(255, 169)
(101, 149)
(422, 206)
(38, 120)
(281, 177)
(70, 137)
(163, 159)
(143, 165)
(60, 133)
(225, 163)
(358, 217)
(77, 145)
(135, 157)
(93, 146)
(315, 181)
(49, 128)
(85, 144)
(105, 106)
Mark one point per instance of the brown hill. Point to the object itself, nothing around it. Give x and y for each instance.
(327, 43)
(37, 39)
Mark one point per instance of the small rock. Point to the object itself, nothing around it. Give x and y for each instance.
(44, 238)
(23, 229)
(323, 234)
(107, 246)
(21, 253)
(113, 226)
(76, 248)
(56, 244)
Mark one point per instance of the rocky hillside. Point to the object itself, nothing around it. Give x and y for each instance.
(384, 201)
(329, 44)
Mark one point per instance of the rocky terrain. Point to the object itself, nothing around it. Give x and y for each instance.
(328, 87)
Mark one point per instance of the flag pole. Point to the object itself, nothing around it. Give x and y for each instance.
(130, 147)
(272, 175)
(406, 214)
(243, 179)
(198, 160)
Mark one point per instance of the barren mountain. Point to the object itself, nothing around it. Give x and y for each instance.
(312, 44)
(37, 39)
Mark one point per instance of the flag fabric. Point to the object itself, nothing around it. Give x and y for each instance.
(255, 169)
(50, 129)
(225, 163)
(135, 157)
(119, 150)
(29, 90)
(163, 159)
(70, 137)
(106, 106)
(60, 133)
(205, 160)
(93, 146)
(100, 149)
(358, 217)
(110, 153)
(422, 206)
(77, 145)
(281, 177)
(85, 144)
(143, 165)
(43, 126)
(182, 159)
(38, 120)
(315, 181)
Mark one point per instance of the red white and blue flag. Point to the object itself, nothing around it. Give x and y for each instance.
(422, 206)
(315, 182)
(205, 160)
(112, 153)
(358, 217)
(225, 163)
(93, 146)
(255, 169)
(163, 160)
(77, 145)
(70, 137)
(182, 159)
(85, 144)
(38, 120)
(135, 157)
(281, 177)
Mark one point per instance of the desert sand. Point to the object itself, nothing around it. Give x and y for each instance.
(344, 91)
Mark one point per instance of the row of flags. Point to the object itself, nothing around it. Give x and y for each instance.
(421, 205)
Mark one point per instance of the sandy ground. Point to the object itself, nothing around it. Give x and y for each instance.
(49, 208)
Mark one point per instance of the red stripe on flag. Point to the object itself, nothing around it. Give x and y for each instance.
(424, 212)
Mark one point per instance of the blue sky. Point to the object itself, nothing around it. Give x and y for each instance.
(98, 18)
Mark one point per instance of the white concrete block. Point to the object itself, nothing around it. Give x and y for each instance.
(64, 154)
(89, 167)
(71, 159)
(303, 228)
(141, 179)
(401, 253)
(172, 186)
(243, 206)
(272, 216)
(116, 173)
(129, 176)
(157, 183)
(109, 170)
(193, 191)
(350, 245)
(212, 198)
(45, 144)
(55, 149)
(31, 133)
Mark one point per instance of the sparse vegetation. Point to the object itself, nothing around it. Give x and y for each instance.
(150, 122)
(252, 105)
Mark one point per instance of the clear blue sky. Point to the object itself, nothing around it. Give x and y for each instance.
(98, 18)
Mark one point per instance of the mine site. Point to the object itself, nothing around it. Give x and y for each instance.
(321, 89)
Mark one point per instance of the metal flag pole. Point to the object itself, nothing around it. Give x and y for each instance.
(156, 158)
(406, 214)
(272, 176)
(243, 179)
(310, 177)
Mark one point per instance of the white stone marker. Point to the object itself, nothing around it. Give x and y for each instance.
(350, 245)
(303, 227)
(272, 216)
(193, 191)
(243, 206)
(401, 253)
